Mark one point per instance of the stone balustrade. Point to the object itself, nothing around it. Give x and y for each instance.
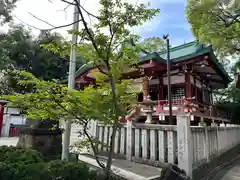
(190, 147)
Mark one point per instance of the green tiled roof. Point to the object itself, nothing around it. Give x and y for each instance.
(84, 68)
(182, 50)
(177, 54)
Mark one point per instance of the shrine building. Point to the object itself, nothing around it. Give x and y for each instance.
(195, 73)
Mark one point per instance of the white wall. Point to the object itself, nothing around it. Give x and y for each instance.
(11, 116)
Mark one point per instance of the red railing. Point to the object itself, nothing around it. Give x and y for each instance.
(186, 105)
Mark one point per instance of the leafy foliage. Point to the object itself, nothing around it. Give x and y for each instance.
(108, 43)
(18, 155)
(22, 164)
(6, 8)
(55, 101)
(20, 50)
(216, 23)
(228, 100)
(153, 44)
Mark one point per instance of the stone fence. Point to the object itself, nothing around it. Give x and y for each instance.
(188, 147)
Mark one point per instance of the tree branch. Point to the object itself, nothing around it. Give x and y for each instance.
(79, 5)
(61, 106)
(87, 30)
(62, 26)
(53, 27)
(226, 17)
(41, 20)
(50, 29)
(27, 24)
(95, 151)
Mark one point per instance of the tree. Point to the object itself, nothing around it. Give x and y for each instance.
(115, 16)
(6, 8)
(54, 101)
(216, 22)
(153, 44)
(21, 50)
(115, 50)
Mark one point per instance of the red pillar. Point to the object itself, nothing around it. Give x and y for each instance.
(1, 118)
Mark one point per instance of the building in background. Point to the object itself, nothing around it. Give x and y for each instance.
(12, 121)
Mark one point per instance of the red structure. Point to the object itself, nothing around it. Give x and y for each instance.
(195, 72)
(14, 130)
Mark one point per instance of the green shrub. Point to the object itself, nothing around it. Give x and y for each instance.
(14, 171)
(26, 164)
(6, 171)
(18, 155)
(63, 170)
(6, 149)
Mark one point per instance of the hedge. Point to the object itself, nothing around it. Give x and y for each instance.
(26, 164)
(10, 154)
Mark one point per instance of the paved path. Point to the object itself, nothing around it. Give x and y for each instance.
(232, 172)
(8, 141)
(124, 168)
(127, 169)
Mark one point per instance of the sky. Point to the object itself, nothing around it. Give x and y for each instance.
(171, 20)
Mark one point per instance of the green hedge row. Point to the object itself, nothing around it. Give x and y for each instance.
(25, 164)
(55, 170)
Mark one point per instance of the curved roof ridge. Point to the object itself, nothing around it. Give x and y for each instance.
(196, 42)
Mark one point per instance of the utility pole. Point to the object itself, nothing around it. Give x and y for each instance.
(169, 79)
(71, 84)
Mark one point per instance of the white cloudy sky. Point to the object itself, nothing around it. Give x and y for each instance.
(52, 12)
(171, 19)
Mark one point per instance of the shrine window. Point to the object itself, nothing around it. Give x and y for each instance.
(176, 91)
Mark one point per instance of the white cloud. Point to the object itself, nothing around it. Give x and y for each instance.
(53, 14)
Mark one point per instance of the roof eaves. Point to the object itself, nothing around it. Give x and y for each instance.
(152, 56)
(84, 68)
(213, 57)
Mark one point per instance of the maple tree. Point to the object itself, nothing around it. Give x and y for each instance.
(115, 50)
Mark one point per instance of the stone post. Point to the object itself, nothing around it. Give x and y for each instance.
(184, 137)
(7, 125)
(201, 123)
(222, 124)
(206, 143)
(206, 139)
(224, 139)
(213, 124)
(149, 118)
(129, 141)
(93, 130)
(216, 146)
(93, 127)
